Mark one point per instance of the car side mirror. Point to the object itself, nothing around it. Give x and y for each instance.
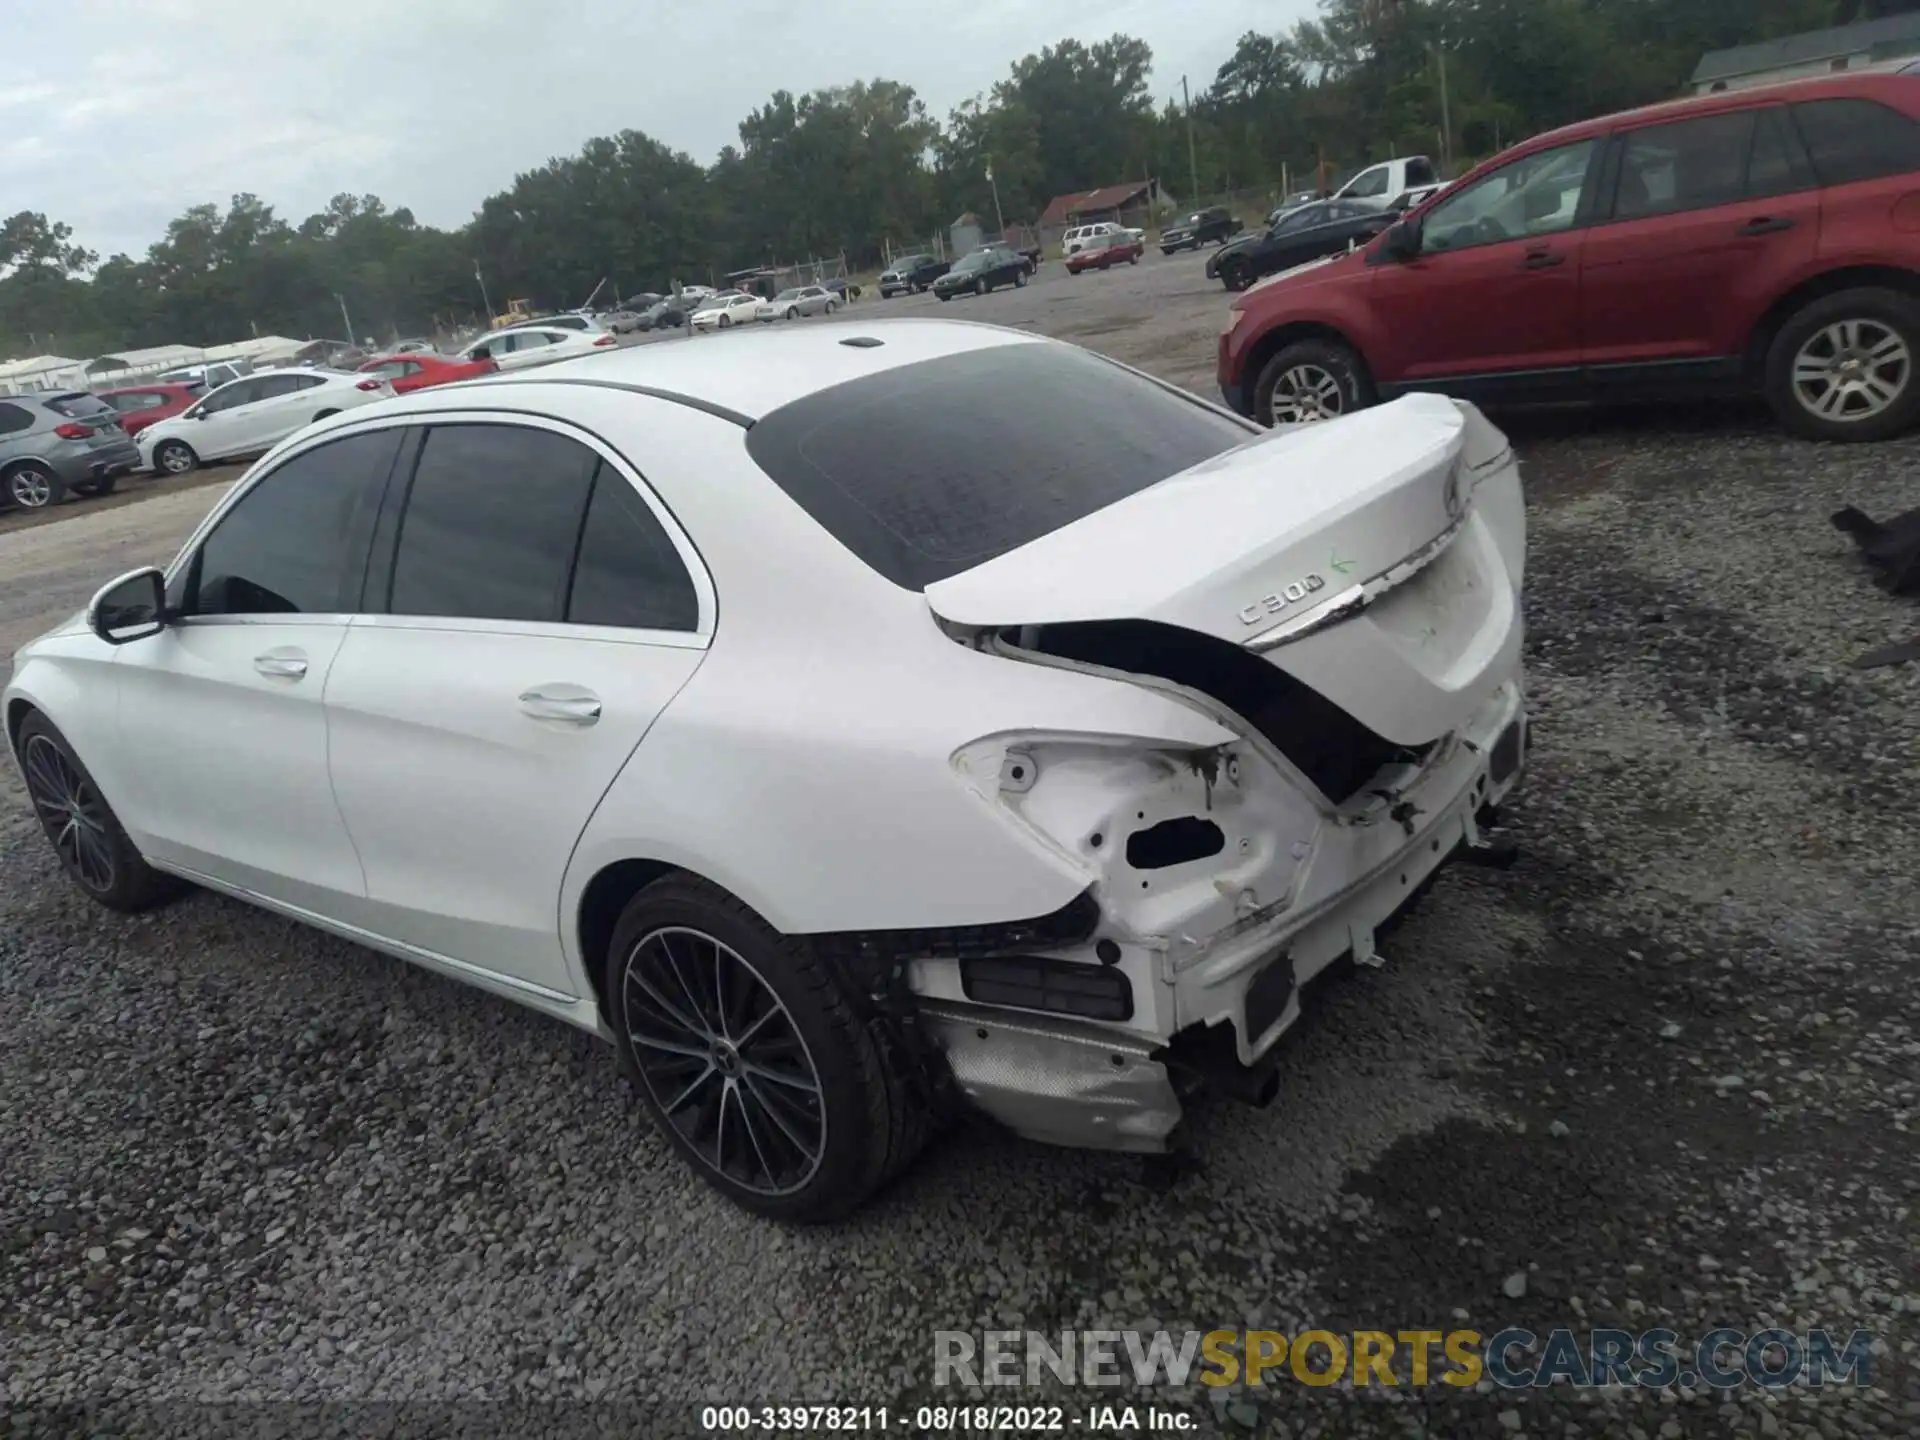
(1402, 242)
(130, 608)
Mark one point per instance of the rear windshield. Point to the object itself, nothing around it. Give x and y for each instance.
(77, 406)
(933, 468)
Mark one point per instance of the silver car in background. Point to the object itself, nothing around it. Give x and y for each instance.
(800, 300)
(58, 442)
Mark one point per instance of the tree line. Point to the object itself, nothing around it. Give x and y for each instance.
(855, 168)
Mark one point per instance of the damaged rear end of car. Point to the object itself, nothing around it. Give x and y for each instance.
(1345, 601)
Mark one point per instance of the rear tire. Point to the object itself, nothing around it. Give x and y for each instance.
(1844, 367)
(1235, 273)
(1310, 381)
(1019, 278)
(32, 486)
(103, 486)
(174, 457)
(85, 833)
(706, 1002)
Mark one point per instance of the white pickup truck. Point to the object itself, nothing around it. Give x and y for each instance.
(1382, 185)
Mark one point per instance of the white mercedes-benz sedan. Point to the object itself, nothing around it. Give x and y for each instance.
(871, 721)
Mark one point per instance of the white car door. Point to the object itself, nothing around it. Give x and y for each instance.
(286, 404)
(222, 734)
(475, 725)
(523, 348)
(223, 421)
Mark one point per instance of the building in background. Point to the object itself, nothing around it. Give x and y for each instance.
(1817, 52)
(41, 372)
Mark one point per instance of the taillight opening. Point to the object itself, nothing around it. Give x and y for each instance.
(72, 431)
(606, 340)
(368, 385)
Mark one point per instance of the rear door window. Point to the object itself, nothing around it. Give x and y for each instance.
(14, 419)
(1855, 140)
(628, 573)
(490, 524)
(1689, 165)
(892, 465)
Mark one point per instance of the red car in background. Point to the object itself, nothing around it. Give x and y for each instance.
(417, 370)
(138, 406)
(1762, 240)
(1121, 249)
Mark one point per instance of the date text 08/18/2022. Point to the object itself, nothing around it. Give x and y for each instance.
(975, 1419)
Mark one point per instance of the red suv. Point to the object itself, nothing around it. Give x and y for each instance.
(1764, 239)
(140, 405)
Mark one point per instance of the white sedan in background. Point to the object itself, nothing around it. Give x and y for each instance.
(801, 300)
(251, 415)
(756, 711)
(526, 345)
(725, 312)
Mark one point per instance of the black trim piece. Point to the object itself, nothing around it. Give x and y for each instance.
(692, 402)
(1072, 924)
(1268, 996)
(1057, 987)
(1581, 384)
(1504, 758)
(376, 589)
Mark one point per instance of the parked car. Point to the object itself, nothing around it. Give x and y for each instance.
(1103, 252)
(407, 373)
(664, 315)
(800, 300)
(251, 415)
(413, 347)
(585, 324)
(1182, 770)
(1087, 237)
(1326, 227)
(723, 312)
(1212, 226)
(622, 322)
(1025, 240)
(53, 442)
(1381, 185)
(911, 272)
(692, 297)
(843, 289)
(207, 377)
(139, 406)
(522, 345)
(983, 270)
(1753, 240)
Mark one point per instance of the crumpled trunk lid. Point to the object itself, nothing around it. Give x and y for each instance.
(1358, 556)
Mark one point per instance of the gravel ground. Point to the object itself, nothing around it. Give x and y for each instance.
(1660, 1073)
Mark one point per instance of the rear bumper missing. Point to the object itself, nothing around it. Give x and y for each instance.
(1083, 1084)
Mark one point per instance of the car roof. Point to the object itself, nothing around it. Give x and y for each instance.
(1858, 85)
(758, 372)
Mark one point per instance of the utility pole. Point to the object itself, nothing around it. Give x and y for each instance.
(483, 291)
(998, 219)
(344, 318)
(1446, 113)
(1193, 163)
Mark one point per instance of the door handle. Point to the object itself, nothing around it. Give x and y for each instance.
(582, 709)
(1767, 225)
(283, 667)
(1542, 260)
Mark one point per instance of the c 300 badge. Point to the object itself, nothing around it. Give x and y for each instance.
(1287, 595)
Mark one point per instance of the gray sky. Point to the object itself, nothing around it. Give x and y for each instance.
(436, 104)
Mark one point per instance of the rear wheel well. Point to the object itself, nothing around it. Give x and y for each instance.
(1879, 277)
(606, 897)
(1281, 336)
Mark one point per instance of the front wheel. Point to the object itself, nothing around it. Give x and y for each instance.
(1842, 368)
(752, 1057)
(1236, 274)
(1310, 381)
(726, 321)
(831, 306)
(103, 486)
(943, 296)
(34, 487)
(86, 835)
(174, 457)
(1019, 278)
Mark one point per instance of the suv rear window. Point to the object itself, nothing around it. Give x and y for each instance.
(1853, 140)
(936, 467)
(78, 406)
